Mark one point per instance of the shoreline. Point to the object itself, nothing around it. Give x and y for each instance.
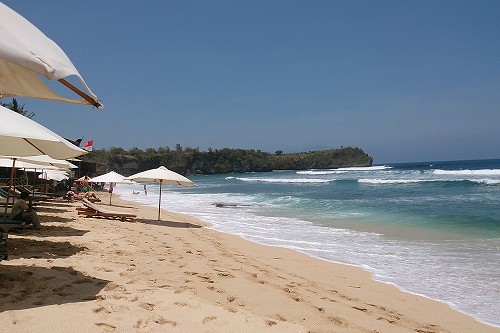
(372, 276)
(178, 275)
(415, 288)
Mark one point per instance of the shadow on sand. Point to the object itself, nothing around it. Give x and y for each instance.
(170, 224)
(45, 209)
(54, 218)
(19, 247)
(23, 287)
(49, 231)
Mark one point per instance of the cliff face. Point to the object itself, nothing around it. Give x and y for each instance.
(325, 159)
(192, 161)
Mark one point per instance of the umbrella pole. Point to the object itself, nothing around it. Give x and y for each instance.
(159, 201)
(80, 93)
(10, 187)
(110, 198)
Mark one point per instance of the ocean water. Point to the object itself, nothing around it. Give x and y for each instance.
(429, 228)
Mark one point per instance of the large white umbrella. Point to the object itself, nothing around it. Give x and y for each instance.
(49, 161)
(42, 162)
(58, 175)
(27, 54)
(161, 175)
(21, 136)
(110, 177)
(6, 162)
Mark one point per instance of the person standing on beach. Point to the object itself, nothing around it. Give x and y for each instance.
(145, 190)
(23, 211)
(85, 184)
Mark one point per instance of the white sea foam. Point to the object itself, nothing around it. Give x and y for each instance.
(342, 170)
(412, 181)
(284, 180)
(372, 168)
(320, 172)
(391, 181)
(483, 172)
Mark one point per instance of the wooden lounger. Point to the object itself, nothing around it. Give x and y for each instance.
(7, 224)
(92, 210)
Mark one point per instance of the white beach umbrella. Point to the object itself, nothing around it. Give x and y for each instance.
(46, 160)
(27, 54)
(6, 162)
(58, 175)
(42, 163)
(21, 137)
(161, 175)
(110, 177)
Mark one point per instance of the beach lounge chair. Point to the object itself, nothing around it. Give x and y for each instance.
(34, 194)
(4, 195)
(7, 224)
(92, 210)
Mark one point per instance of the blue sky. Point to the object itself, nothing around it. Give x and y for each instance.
(403, 80)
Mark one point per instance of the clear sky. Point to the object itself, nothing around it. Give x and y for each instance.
(403, 80)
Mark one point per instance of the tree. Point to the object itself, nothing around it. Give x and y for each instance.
(14, 106)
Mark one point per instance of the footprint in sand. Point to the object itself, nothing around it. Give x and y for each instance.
(386, 319)
(279, 317)
(212, 288)
(205, 279)
(270, 323)
(114, 287)
(106, 327)
(209, 319)
(102, 269)
(338, 321)
(101, 309)
(163, 321)
(147, 306)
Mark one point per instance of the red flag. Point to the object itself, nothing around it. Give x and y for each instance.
(88, 145)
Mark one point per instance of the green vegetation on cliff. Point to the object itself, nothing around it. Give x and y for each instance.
(192, 161)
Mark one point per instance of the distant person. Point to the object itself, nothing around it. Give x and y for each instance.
(90, 196)
(23, 211)
(145, 190)
(70, 195)
(85, 184)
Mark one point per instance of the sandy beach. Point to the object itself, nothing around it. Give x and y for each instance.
(82, 274)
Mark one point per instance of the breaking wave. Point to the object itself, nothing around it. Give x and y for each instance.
(283, 180)
(483, 172)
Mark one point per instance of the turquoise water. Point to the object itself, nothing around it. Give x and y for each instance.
(430, 228)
